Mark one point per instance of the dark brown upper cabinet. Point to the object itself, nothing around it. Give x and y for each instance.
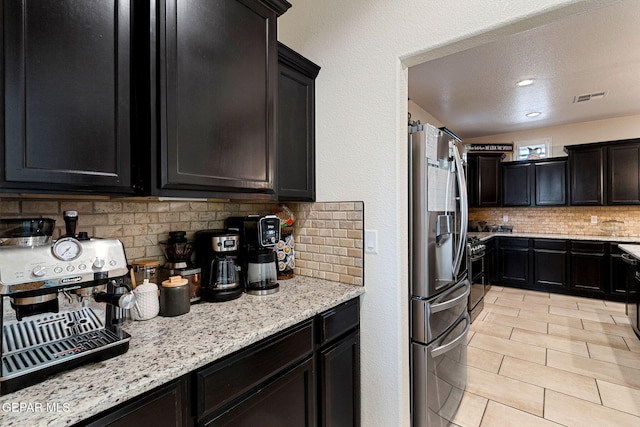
(134, 97)
(624, 173)
(605, 173)
(216, 80)
(296, 126)
(535, 183)
(516, 184)
(65, 122)
(484, 179)
(587, 169)
(550, 182)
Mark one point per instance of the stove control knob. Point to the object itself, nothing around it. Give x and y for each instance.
(98, 263)
(39, 270)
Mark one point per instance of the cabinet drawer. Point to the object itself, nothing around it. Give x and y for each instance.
(513, 242)
(580, 246)
(338, 320)
(228, 379)
(551, 244)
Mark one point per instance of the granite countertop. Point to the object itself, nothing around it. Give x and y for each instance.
(602, 238)
(165, 348)
(633, 250)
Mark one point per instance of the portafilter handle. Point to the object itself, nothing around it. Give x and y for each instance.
(125, 301)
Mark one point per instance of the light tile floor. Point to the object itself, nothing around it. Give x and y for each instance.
(540, 359)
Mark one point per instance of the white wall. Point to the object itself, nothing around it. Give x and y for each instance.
(419, 114)
(363, 47)
(576, 133)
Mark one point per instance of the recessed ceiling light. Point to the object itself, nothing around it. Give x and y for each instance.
(525, 82)
(533, 114)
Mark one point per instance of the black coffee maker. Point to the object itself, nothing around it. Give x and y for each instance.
(217, 254)
(258, 236)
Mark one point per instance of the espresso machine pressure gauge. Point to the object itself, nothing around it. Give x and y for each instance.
(67, 249)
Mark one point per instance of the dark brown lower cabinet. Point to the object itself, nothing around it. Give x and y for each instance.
(589, 268)
(307, 375)
(166, 406)
(550, 263)
(288, 401)
(340, 382)
(514, 265)
(617, 273)
(575, 267)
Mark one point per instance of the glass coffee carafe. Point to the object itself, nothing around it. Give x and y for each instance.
(226, 273)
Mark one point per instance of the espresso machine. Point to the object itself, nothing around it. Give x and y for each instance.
(258, 236)
(217, 254)
(62, 305)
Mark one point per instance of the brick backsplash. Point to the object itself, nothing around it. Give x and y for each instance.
(329, 241)
(565, 220)
(328, 236)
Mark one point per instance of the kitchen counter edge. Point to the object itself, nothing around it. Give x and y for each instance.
(165, 348)
(602, 238)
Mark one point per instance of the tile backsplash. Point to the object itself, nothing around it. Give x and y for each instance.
(328, 236)
(622, 221)
(329, 241)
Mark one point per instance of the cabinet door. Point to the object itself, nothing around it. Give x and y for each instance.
(516, 184)
(231, 378)
(485, 179)
(551, 183)
(165, 407)
(587, 169)
(296, 126)
(218, 75)
(288, 401)
(67, 95)
(550, 264)
(624, 174)
(589, 268)
(340, 383)
(514, 265)
(618, 276)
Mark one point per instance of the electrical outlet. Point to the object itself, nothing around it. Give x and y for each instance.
(594, 219)
(505, 218)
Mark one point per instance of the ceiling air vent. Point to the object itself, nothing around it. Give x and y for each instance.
(588, 97)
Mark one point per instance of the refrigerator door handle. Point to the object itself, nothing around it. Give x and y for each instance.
(464, 208)
(435, 308)
(439, 351)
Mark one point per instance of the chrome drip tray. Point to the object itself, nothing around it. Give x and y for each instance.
(48, 328)
(49, 343)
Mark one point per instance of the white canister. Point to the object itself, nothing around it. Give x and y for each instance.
(147, 303)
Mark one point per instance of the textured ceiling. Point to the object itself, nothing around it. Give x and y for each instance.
(474, 92)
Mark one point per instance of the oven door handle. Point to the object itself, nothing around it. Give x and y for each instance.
(439, 351)
(629, 259)
(435, 308)
(476, 257)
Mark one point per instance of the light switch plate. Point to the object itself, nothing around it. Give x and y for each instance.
(371, 241)
(594, 219)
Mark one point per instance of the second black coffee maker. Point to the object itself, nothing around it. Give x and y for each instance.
(258, 236)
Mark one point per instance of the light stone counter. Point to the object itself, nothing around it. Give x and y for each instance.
(602, 238)
(633, 250)
(165, 348)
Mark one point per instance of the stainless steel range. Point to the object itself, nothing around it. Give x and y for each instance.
(476, 265)
(54, 315)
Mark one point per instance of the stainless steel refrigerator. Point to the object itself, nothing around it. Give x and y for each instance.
(439, 285)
